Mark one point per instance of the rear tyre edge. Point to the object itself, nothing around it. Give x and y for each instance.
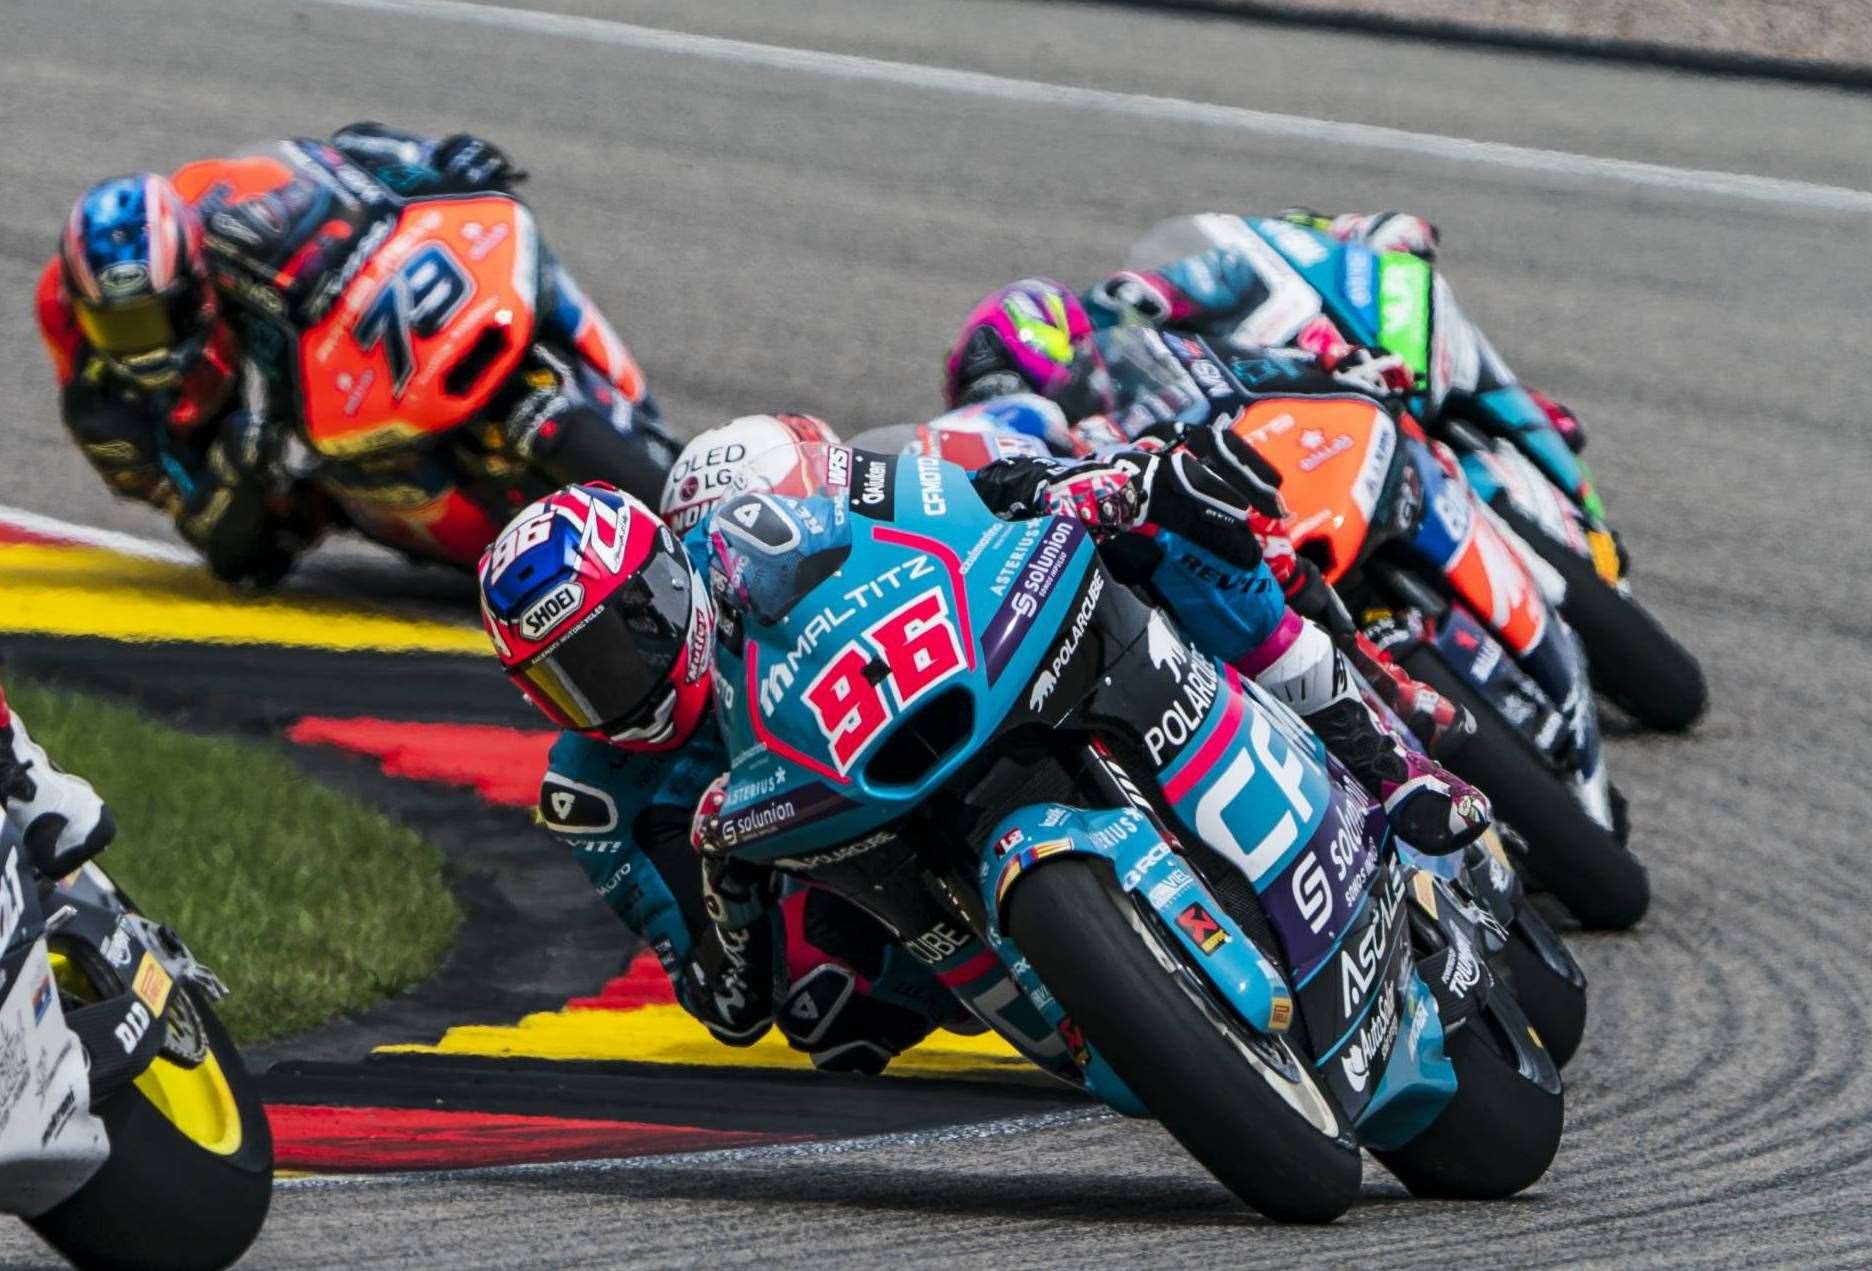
(162, 1202)
(1634, 660)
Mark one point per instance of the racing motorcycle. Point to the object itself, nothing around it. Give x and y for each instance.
(1533, 483)
(1140, 870)
(131, 1134)
(1389, 519)
(428, 395)
(1548, 980)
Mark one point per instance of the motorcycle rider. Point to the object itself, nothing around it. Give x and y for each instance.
(60, 817)
(629, 681)
(235, 256)
(630, 688)
(1242, 288)
(1035, 337)
(149, 371)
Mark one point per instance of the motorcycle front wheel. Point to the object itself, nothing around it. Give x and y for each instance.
(1500, 1131)
(1547, 981)
(1241, 1102)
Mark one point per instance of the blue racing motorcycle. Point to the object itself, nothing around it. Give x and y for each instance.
(1144, 873)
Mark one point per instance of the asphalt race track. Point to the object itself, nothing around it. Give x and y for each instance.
(783, 231)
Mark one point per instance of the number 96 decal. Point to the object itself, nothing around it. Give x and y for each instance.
(911, 651)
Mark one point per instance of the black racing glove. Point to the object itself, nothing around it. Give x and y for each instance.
(1238, 463)
(467, 162)
(731, 981)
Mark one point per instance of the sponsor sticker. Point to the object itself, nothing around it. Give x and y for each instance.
(42, 998)
(1202, 928)
(552, 609)
(152, 984)
(12, 899)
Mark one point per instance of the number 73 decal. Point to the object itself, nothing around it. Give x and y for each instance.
(419, 298)
(911, 651)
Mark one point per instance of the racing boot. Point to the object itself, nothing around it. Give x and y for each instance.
(854, 999)
(1564, 421)
(59, 815)
(1433, 719)
(1431, 808)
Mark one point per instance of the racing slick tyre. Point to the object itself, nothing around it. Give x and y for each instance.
(190, 1174)
(1553, 996)
(1570, 854)
(1634, 661)
(1243, 1103)
(1497, 1135)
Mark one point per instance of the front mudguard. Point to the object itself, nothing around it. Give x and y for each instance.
(1443, 988)
(1213, 944)
(1455, 939)
(1418, 1080)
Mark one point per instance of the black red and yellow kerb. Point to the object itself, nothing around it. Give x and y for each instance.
(602, 1075)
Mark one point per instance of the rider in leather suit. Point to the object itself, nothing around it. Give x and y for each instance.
(270, 238)
(1243, 290)
(636, 760)
(59, 815)
(1120, 385)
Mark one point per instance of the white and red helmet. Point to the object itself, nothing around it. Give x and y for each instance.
(597, 614)
(712, 464)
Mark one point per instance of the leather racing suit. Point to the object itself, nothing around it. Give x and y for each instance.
(285, 228)
(1241, 288)
(832, 979)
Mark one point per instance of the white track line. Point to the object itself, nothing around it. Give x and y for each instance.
(1728, 185)
(128, 544)
(717, 1156)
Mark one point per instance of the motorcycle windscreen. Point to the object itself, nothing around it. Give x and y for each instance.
(427, 330)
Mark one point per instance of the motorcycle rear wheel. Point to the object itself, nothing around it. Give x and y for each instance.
(1194, 1065)
(1634, 661)
(1572, 855)
(190, 1175)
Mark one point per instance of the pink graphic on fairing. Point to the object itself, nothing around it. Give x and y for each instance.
(1269, 651)
(1210, 752)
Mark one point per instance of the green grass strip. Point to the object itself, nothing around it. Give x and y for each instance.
(305, 901)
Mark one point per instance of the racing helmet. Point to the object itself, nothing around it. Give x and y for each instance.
(136, 270)
(712, 464)
(1031, 336)
(600, 619)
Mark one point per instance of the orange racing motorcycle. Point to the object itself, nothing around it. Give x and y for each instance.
(1437, 578)
(443, 369)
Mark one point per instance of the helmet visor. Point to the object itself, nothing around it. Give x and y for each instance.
(142, 326)
(613, 666)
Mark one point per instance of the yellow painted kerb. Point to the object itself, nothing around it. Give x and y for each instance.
(91, 591)
(669, 1035)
